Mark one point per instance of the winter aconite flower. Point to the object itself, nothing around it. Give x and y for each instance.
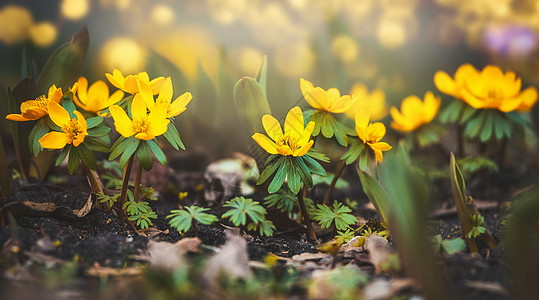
(371, 134)
(35, 109)
(414, 112)
(173, 108)
(374, 102)
(143, 125)
(96, 98)
(320, 99)
(488, 89)
(129, 84)
(294, 141)
(73, 130)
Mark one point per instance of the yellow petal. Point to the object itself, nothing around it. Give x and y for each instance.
(377, 148)
(376, 131)
(53, 140)
(82, 90)
(34, 113)
(58, 114)
(113, 99)
(146, 92)
(144, 136)
(123, 124)
(306, 134)
(317, 98)
(272, 127)
(362, 118)
(529, 98)
(131, 84)
(158, 123)
(138, 107)
(82, 121)
(165, 95)
(400, 122)
(178, 105)
(431, 106)
(446, 84)
(16, 117)
(156, 84)
(116, 79)
(265, 143)
(305, 86)
(294, 121)
(342, 104)
(143, 76)
(303, 149)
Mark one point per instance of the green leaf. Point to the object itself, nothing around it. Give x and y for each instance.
(65, 64)
(261, 74)
(68, 105)
(87, 156)
(271, 167)
(62, 155)
(251, 104)
(454, 245)
(39, 130)
(182, 219)
(292, 176)
(96, 144)
(314, 166)
(356, 146)
(73, 160)
(132, 146)
(364, 158)
(119, 147)
(458, 188)
(279, 178)
(241, 208)
(99, 131)
(173, 137)
(339, 215)
(488, 126)
(303, 171)
(144, 156)
(157, 152)
(474, 126)
(376, 194)
(94, 121)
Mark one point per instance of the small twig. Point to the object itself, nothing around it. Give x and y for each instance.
(125, 186)
(338, 173)
(136, 192)
(310, 228)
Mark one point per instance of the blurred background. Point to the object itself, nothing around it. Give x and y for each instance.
(207, 45)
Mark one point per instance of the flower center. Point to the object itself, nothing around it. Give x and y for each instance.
(140, 124)
(42, 101)
(72, 129)
(289, 140)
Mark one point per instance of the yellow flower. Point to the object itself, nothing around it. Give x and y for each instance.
(375, 102)
(35, 109)
(164, 99)
(73, 130)
(330, 100)
(144, 126)
(130, 84)
(415, 112)
(96, 98)
(488, 89)
(295, 140)
(371, 134)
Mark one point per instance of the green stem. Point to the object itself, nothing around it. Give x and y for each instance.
(338, 173)
(125, 185)
(460, 141)
(137, 182)
(310, 228)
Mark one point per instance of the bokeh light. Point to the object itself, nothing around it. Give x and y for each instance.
(124, 54)
(162, 14)
(345, 48)
(391, 34)
(15, 24)
(43, 34)
(75, 9)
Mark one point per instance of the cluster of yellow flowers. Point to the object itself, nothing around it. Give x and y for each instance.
(488, 89)
(150, 117)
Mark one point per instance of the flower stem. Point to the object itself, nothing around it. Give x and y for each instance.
(136, 192)
(125, 184)
(310, 228)
(93, 179)
(338, 173)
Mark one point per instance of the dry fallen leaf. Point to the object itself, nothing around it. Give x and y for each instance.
(379, 250)
(167, 256)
